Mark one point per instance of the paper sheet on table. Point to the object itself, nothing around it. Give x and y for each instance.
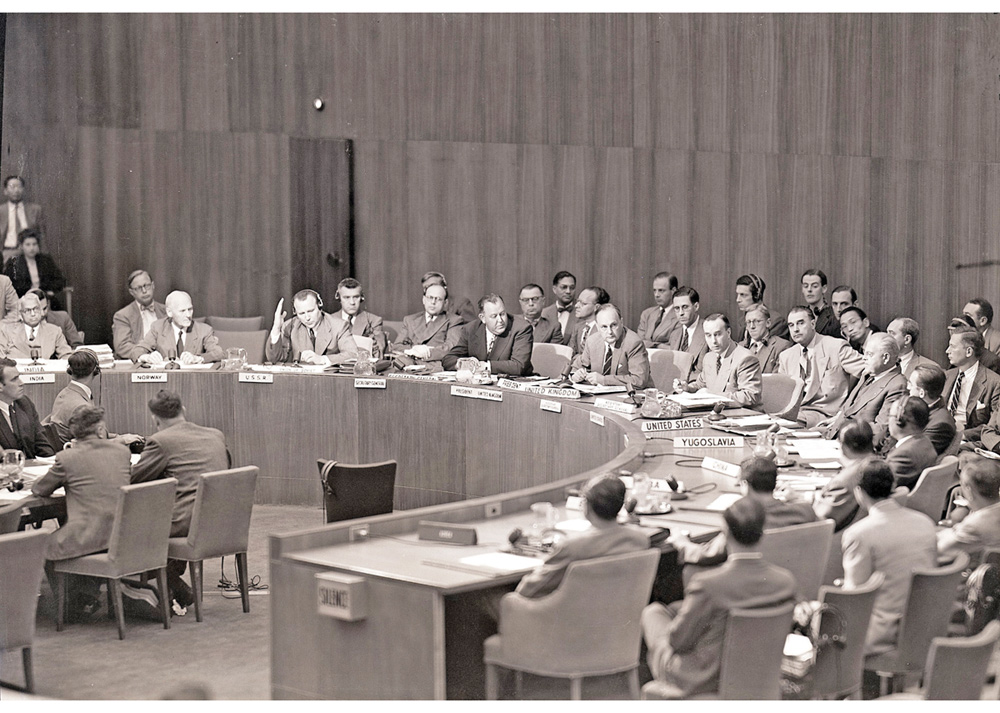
(700, 398)
(196, 367)
(827, 465)
(723, 501)
(35, 471)
(576, 525)
(599, 389)
(817, 449)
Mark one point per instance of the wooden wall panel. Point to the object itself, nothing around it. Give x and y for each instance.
(108, 70)
(202, 72)
(161, 101)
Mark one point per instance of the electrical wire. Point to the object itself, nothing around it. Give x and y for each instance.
(228, 586)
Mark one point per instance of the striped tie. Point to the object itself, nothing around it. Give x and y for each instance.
(607, 360)
(684, 340)
(953, 401)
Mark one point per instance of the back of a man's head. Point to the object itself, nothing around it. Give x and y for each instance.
(82, 363)
(981, 475)
(166, 405)
(745, 521)
(876, 479)
(86, 421)
(857, 437)
(760, 474)
(605, 496)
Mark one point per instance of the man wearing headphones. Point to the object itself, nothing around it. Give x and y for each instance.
(749, 295)
(363, 323)
(310, 337)
(913, 451)
(177, 337)
(431, 333)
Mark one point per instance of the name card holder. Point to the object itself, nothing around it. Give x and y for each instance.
(141, 378)
(720, 466)
(597, 418)
(617, 406)
(553, 406)
(472, 393)
(369, 383)
(255, 378)
(341, 596)
(672, 424)
(38, 378)
(708, 442)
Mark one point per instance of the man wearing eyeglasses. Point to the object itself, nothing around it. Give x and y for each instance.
(545, 328)
(132, 322)
(32, 337)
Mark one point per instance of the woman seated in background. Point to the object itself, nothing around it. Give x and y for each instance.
(33, 269)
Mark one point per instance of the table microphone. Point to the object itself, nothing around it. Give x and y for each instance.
(35, 353)
(675, 487)
(716, 414)
(564, 380)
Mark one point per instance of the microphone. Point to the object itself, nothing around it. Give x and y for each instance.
(564, 380)
(716, 414)
(675, 487)
(35, 353)
(630, 505)
(515, 536)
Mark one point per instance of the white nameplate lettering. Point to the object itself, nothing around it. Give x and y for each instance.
(672, 424)
(341, 596)
(612, 405)
(548, 391)
(708, 442)
(138, 378)
(369, 383)
(414, 377)
(471, 393)
(597, 418)
(256, 378)
(720, 466)
(553, 406)
(31, 368)
(38, 378)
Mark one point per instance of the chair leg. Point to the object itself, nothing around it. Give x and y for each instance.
(197, 584)
(60, 600)
(492, 682)
(116, 592)
(575, 689)
(633, 683)
(111, 603)
(241, 571)
(161, 584)
(29, 673)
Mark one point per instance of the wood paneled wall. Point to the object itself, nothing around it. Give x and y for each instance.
(502, 148)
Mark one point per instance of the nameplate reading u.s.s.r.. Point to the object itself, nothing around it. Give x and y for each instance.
(256, 378)
(141, 378)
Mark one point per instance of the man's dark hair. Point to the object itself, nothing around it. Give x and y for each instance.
(82, 363)
(166, 404)
(493, 298)
(134, 274)
(760, 474)
(960, 322)
(983, 474)
(85, 421)
(670, 278)
(562, 274)
(816, 273)
(930, 378)
(530, 286)
(11, 178)
(984, 307)
(605, 496)
(913, 409)
(745, 520)
(845, 288)
(757, 286)
(29, 233)
(876, 479)
(857, 435)
(689, 292)
(802, 308)
(718, 315)
(348, 283)
(857, 310)
(599, 292)
(4, 363)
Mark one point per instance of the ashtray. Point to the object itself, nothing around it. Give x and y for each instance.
(658, 509)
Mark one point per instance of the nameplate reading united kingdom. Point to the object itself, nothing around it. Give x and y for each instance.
(38, 378)
(672, 424)
(708, 442)
(471, 393)
(548, 391)
(369, 383)
(140, 377)
(612, 405)
(256, 378)
(553, 406)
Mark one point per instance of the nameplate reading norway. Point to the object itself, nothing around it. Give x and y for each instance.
(672, 424)
(256, 378)
(369, 383)
(141, 378)
(470, 393)
(695, 442)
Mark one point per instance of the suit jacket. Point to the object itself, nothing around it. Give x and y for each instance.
(832, 363)
(777, 326)
(737, 376)
(200, 340)
(50, 277)
(33, 214)
(581, 335)
(68, 400)
(984, 400)
(892, 540)
(980, 530)
(697, 346)
(915, 361)
(126, 327)
(440, 334)
(827, 323)
(545, 331)
(768, 354)
(511, 353)
(552, 313)
(10, 309)
(333, 339)
(29, 438)
(836, 499)
(941, 428)
(596, 542)
(92, 472)
(992, 339)
(691, 656)
(65, 323)
(871, 402)
(909, 459)
(367, 324)
(990, 360)
(48, 338)
(659, 336)
(629, 360)
(183, 451)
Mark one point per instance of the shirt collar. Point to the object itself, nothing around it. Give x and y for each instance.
(973, 369)
(346, 317)
(142, 309)
(903, 440)
(83, 387)
(745, 556)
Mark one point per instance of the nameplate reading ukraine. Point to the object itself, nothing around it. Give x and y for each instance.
(139, 378)
(471, 393)
(256, 378)
(672, 424)
(694, 442)
(369, 383)
(38, 378)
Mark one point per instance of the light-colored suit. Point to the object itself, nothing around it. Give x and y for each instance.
(768, 353)
(736, 376)
(697, 346)
(909, 458)
(126, 328)
(983, 403)
(870, 401)
(49, 340)
(831, 364)
(892, 540)
(441, 333)
(629, 360)
(544, 330)
(551, 313)
(511, 352)
(656, 335)
(200, 340)
(68, 400)
(333, 339)
(369, 325)
(980, 530)
(10, 308)
(915, 361)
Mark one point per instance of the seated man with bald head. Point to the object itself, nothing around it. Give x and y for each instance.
(310, 337)
(32, 335)
(613, 355)
(905, 331)
(498, 339)
(177, 337)
(727, 369)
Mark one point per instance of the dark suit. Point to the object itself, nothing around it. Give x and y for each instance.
(990, 360)
(941, 428)
(545, 331)
(984, 399)
(836, 499)
(552, 313)
(915, 361)
(652, 334)
(511, 353)
(629, 360)
(697, 346)
(49, 340)
(200, 340)
(870, 401)
(50, 277)
(768, 353)
(581, 334)
(439, 334)
(27, 435)
(127, 327)
(33, 215)
(827, 323)
(991, 338)
(909, 459)
(63, 321)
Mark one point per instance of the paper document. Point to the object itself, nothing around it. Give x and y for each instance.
(599, 389)
(817, 449)
(827, 465)
(491, 564)
(723, 501)
(699, 399)
(35, 471)
(197, 367)
(576, 525)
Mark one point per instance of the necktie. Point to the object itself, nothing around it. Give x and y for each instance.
(684, 340)
(14, 428)
(312, 338)
(31, 339)
(180, 344)
(560, 308)
(659, 319)
(953, 401)
(755, 347)
(491, 340)
(804, 365)
(718, 363)
(583, 336)
(608, 352)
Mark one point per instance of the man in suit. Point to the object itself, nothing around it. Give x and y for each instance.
(750, 295)
(685, 638)
(16, 215)
(971, 392)
(905, 331)
(856, 328)
(563, 310)
(544, 329)
(33, 268)
(728, 369)
(20, 428)
(430, 334)
(814, 288)
(182, 450)
(835, 500)
(133, 321)
(60, 319)
(499, 339)
(871, 399)
(913, 451)
(842, 297)
(362, 322)
(10, 310)
(825, 364)
(688, 336)
(979, 480)
(92, 472)
(613, 355)
(657, 322)
(763, 345)
(585, 313)
(178, 337)
(927, 382)
(981, 313)
(310, 337)
(19, 339)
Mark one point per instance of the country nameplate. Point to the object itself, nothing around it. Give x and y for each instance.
(597, 418)
(369, 383)
(414, 377)
(138, 378)
(553, 406)
(708, 442)
(550, 392)
(38, 378)
(471, 393)
(672, 424)
(721, 466)
(31, 368)
(256, 378)
(612, 405)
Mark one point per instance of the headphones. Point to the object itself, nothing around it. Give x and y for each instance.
(314, 293)
(341, 284)
(757, 288)
(93, 355)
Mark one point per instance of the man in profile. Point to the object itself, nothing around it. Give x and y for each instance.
(178, 337)
(429, 334)
(927, 382)
(586, 315)
(310, 337)
(563, 309)
(613, 354)
(32, 336)
(906, 331)
(814, 288)
(689, 336)
(836, 501)
(362, 322)
(133, 321)
(183, 450)
(981, 313)
(971, 392)
(913, 451)
(727, 369)
(16, 215)
(543, 329)
(657, 322)
(20, 428)
(60, 319)
(499, 340)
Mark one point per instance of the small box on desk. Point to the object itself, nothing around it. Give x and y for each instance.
(446, 532)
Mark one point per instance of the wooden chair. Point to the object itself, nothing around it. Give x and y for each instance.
(235, 324)
(802, 550)
(930, 493)
(352, 491)
(138, 544)
(22, 562)
(665, 365)
(589, 626)
(550, 359)
(220, 526)
(253, 342)
(781, 395)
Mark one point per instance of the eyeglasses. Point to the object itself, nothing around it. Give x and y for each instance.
(755, 322)
(529, 299)
(142, 288)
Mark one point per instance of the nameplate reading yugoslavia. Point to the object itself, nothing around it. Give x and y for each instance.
(256, 378)
(38, 378)
(369, 383)
(471, 393)
(138, 378)
(672, 424)
(612, 405)
(551, 392)
(708, 442)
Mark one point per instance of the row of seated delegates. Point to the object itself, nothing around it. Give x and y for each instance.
(177, 337)
(33, 269)
(430, 334)
(311, 336)
(19, 339)
(16, 214)
(497, 339)
(728, 369)
(613, 354)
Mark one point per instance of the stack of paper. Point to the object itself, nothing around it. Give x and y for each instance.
(105, 356)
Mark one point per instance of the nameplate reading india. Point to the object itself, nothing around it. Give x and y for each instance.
(31, 368)
(139, 378)
(672, 424)
(471, 393)
(369, 383)
(695, 442)
(38, 378)
(256, 378)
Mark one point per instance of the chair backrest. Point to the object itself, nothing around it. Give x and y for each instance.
(253, 342)
(351, 491)
(781, 395)
(550, 359)
(928, 611)
(931, 491)
(51, 432)
(665, 365)
(236, 324)
(363, 342)
(142, 526)
(220, 520)
(991, 556)
(589, 624)
(802, 550)
(956, 666)
(840, 661)
(10, 517)
(752, 651)
(22, 561)
(392, 329)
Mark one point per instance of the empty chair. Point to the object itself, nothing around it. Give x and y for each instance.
(802, 550)
(392, 329)
(253, 342)
(781, 395)
(220, 526)
(665, 365)
(235, 324)
(589, 626)
(930, 494)
(550, 359)
(10, 518)
(22, 560)
(351, 491)
(138, 544)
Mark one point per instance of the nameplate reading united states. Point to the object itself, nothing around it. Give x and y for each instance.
(369, 383)
(612, 405)
(471, 393)
(708, 442)
(597, 418)
(256, 378)
(553, 406)
(672, 424)
(140, 378)
(38, 378)
(549, 391)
